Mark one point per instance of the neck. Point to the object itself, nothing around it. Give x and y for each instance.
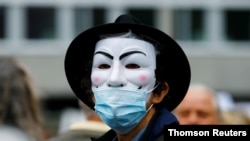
(130, 135)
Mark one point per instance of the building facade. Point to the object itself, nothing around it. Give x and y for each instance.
(215, 34)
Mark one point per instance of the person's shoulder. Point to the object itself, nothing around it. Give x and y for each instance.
(82, 131)
(90, 128)
(10, 133)
(70, 136)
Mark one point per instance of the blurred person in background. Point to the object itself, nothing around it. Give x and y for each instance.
(19, 107)
(10, 133)
(199, 106)
(235, 117)
(90, 125)
(232, 112)
(68, 116)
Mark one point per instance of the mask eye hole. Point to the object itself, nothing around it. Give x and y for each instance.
(132, 66)
(104, 66)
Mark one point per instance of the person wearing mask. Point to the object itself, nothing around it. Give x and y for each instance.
(131, 74)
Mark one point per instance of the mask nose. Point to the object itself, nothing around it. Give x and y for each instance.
(116, 78)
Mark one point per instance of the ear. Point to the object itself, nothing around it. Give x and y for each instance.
(158, 97)
(92, 97)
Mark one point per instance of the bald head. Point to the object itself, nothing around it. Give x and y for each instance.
(198, 107)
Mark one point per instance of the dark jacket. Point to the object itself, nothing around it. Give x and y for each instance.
(154, 131)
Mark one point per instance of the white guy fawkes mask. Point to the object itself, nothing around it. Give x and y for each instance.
(124, 62)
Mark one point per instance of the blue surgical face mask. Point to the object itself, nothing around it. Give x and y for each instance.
(121, 109)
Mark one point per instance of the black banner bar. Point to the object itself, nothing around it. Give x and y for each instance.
(202, 131)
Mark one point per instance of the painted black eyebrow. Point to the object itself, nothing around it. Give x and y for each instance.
(130, 52)
(105, 54)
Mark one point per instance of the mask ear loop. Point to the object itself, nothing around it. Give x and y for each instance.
(150, 91)
(149, 107)
(156, 85)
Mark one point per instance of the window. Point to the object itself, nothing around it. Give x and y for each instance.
(40, 23)
(99, 16)
(146, 16)
(88, 17)
(237, 25)
(2, 22)
(189, 24)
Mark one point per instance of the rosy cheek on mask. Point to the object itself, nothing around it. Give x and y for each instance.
(142, 78)
(96, 79)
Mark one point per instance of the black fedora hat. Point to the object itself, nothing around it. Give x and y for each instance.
(172, 63)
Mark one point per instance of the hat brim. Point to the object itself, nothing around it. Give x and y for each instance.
(175, 68)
